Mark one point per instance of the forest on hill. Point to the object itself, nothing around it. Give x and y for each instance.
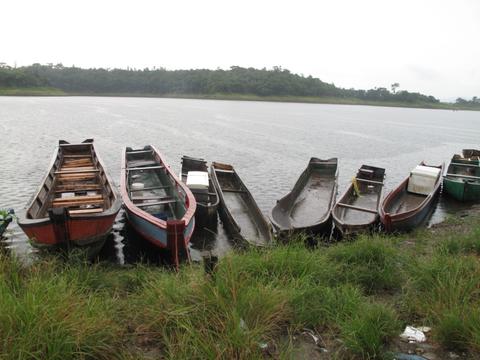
(161, 82)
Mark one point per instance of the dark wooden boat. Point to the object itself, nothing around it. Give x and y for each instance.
(357, 209)
(6, 217)
(76, 203)
(308, 206)
(238, 210)
(157, 204)
(408, 205)
(206, 196)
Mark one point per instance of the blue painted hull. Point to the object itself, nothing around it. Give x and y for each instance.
(153, 233)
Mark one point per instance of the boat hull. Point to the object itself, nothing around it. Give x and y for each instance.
(155, 234)
(238, 210)
(402, 211)
(409, 223)
(462, 190)
(307, 207)
(79, 232)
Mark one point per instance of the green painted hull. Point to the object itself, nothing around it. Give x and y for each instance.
(462, 189)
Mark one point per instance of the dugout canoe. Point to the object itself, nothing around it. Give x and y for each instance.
(238, 210)
(76, 203)
(409, 204)
(157, 204)
(206, 194)
(462, 178)
(357, 209)
(308, 206)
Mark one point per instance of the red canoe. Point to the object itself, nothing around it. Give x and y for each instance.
(76, 203)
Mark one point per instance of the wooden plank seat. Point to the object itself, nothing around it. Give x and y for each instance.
(74, 168)
(85, 211)
(139, 152)
(357, 208)
(369, 181)
(142, 163)
(146, 168)
(151, 188)
(76, 171)
(234, 190)
(140, 198)
(75, 177)
(224, 171)
(67, 188)
(72, 156)
(75, 201)
(78, 198)
(163, 202)
(464, 176)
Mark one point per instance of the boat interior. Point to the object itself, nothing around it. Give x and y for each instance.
(76, 182)
(310, 200)
(151, 187)
(464, 171)
(360, 204)
(404, 201)
(242, 207)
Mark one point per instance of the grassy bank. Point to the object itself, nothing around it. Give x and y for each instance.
(242, 97)
(356, 297)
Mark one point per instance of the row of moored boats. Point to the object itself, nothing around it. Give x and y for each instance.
(76, 203)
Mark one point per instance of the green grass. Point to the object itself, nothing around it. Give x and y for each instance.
(357, 296)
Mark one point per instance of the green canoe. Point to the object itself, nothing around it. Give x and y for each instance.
(462, 180)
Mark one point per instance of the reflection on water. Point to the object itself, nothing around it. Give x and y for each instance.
(268, 143)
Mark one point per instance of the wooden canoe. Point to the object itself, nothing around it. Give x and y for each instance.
(238, 210)
(76, 203)
(207, 201)
(309, 205)
(157, 204)
(462, 179)
(402, 210)
(357, 209)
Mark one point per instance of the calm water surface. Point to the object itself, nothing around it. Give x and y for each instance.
(268, 143)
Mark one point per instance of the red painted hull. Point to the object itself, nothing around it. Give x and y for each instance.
(81, 231)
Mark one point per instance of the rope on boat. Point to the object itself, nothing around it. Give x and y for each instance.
(356, 189)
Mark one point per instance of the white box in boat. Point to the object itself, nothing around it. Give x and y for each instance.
(423, 179)
(197, 180)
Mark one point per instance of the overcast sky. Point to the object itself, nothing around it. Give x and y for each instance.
(430, 46)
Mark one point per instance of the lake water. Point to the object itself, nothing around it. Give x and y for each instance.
(268, 143)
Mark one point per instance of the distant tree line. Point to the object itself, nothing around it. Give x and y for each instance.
(475, 102)
(237, 80)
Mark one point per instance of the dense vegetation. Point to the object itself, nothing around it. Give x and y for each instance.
(237, 80)
(356, 297)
